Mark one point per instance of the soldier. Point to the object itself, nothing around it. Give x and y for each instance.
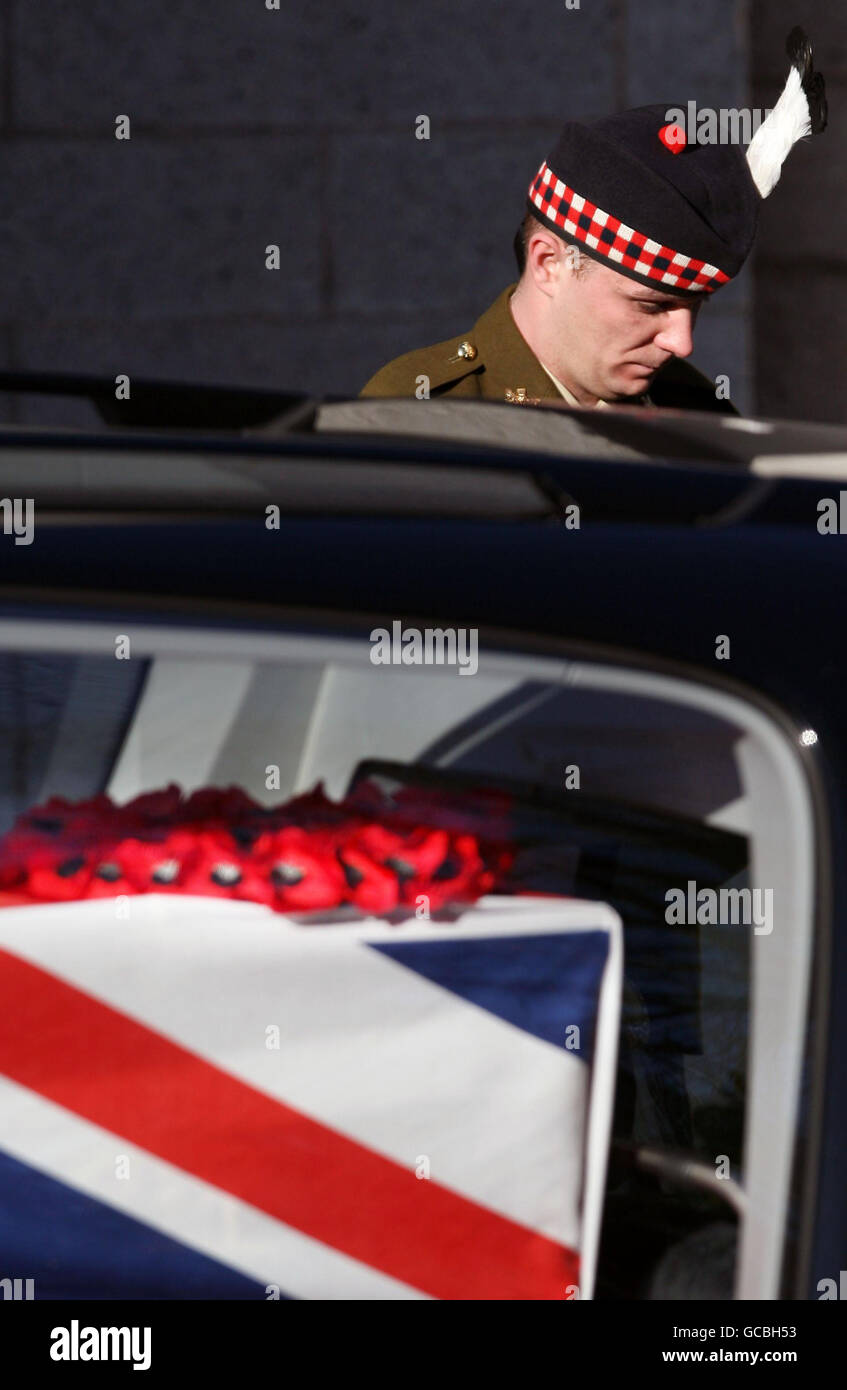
(630, 227)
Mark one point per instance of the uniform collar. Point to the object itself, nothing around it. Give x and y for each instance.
(510, 364)
(600, 405)
(568, 395)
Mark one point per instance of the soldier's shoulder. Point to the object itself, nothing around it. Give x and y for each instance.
(681, 386)
(431, 370)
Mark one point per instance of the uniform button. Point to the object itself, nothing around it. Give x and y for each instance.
(466, 350)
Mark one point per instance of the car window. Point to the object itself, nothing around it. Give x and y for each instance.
(615, 785)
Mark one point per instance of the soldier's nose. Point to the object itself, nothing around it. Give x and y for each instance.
(677, 335)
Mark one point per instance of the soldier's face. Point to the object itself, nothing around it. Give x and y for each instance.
(626, 331)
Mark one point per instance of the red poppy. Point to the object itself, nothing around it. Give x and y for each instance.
(370, 886)
(154, 863)
(57, 875)
(303, 869)
(462, 877)
(223, 805)
(152, 808)
(309, 854)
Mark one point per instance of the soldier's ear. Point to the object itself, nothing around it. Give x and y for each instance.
(544, 257)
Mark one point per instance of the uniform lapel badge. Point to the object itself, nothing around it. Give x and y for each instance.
(465, 352)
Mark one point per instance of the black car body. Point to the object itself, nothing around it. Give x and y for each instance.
(664, 589)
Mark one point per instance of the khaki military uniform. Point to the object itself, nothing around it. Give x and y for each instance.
(494, 362)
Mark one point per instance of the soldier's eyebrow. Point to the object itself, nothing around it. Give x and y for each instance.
(666, 300)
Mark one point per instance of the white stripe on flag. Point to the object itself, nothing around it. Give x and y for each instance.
(83, 1155)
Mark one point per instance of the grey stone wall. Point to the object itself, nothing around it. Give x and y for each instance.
(297, 127)
(800, 266)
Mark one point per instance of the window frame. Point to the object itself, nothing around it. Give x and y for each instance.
(204, 630)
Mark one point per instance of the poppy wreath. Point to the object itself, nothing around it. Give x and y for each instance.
(310, 854)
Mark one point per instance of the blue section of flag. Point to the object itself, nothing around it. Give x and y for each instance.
(76, 1247)
(542, 984)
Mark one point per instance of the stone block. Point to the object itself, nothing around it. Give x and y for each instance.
(77, 66)
(147, 228)
(687, 52)
(800, 327)
(436, 225)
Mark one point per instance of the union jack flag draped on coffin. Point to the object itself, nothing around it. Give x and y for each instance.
(212, 1100)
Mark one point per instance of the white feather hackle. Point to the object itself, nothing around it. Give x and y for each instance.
(789, 122)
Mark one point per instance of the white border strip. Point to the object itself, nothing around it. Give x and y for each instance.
(807, 466)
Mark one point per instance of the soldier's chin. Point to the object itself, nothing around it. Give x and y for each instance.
(632, 379)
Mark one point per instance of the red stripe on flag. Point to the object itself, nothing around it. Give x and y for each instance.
(105, 1066)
